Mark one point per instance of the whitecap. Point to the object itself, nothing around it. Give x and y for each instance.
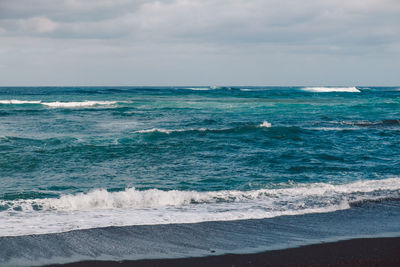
(265, 124)
(19, 102)
(160, 130)
(198, 88)
(58, 104)
(331, 89)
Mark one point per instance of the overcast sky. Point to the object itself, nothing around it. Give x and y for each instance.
(200, 42)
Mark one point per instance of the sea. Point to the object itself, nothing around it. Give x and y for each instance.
(115, 173)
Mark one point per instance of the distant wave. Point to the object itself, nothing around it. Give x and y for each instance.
(18, 102)
(382, 123)
(332, 128)
(160, 130)
(59, 104)
(331, 89)
(100, 208)
(265, 124)
(206, 88)
(169, 131)
(198, 88)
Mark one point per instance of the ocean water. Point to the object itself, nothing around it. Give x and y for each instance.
(85, 158)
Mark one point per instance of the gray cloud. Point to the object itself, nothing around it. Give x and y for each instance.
(207, 20)
(130, 34)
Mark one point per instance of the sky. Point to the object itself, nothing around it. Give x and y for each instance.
(199, 42)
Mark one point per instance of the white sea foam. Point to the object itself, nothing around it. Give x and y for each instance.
(206, 88)
(160, 130)
(58, 104)
(265, 124)
(332, 128)
(100, 208)
(199, 88)
(331, 89)
(169, 131)
(18, 102)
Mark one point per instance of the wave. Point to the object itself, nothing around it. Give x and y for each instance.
(18, 102)
(265, 124)
(332, 128)
(331, 89)
(210, 88)
(381, 123)
(160, 130)
(198, 88)
(58, 104)
(133, 198)
(248, 90)
(100, 208)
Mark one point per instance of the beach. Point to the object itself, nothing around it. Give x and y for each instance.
(288, 239)
(356, 252)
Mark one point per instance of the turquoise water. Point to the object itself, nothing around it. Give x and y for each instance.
(78, 158)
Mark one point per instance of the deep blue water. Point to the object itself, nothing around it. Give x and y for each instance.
(88, 157)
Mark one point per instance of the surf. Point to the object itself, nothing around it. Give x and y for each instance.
(100, 208)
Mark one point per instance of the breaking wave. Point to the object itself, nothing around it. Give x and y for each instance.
(100, 208)
(58, 104)
(18, 102)
(331, 89)
(160, 130)
(265, 124)
(198, 88)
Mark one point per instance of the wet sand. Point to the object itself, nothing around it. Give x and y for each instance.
(355, 252)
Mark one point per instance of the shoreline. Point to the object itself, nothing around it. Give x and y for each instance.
(354, 252)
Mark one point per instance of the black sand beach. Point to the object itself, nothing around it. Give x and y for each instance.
(371, 231)
(355, 252)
